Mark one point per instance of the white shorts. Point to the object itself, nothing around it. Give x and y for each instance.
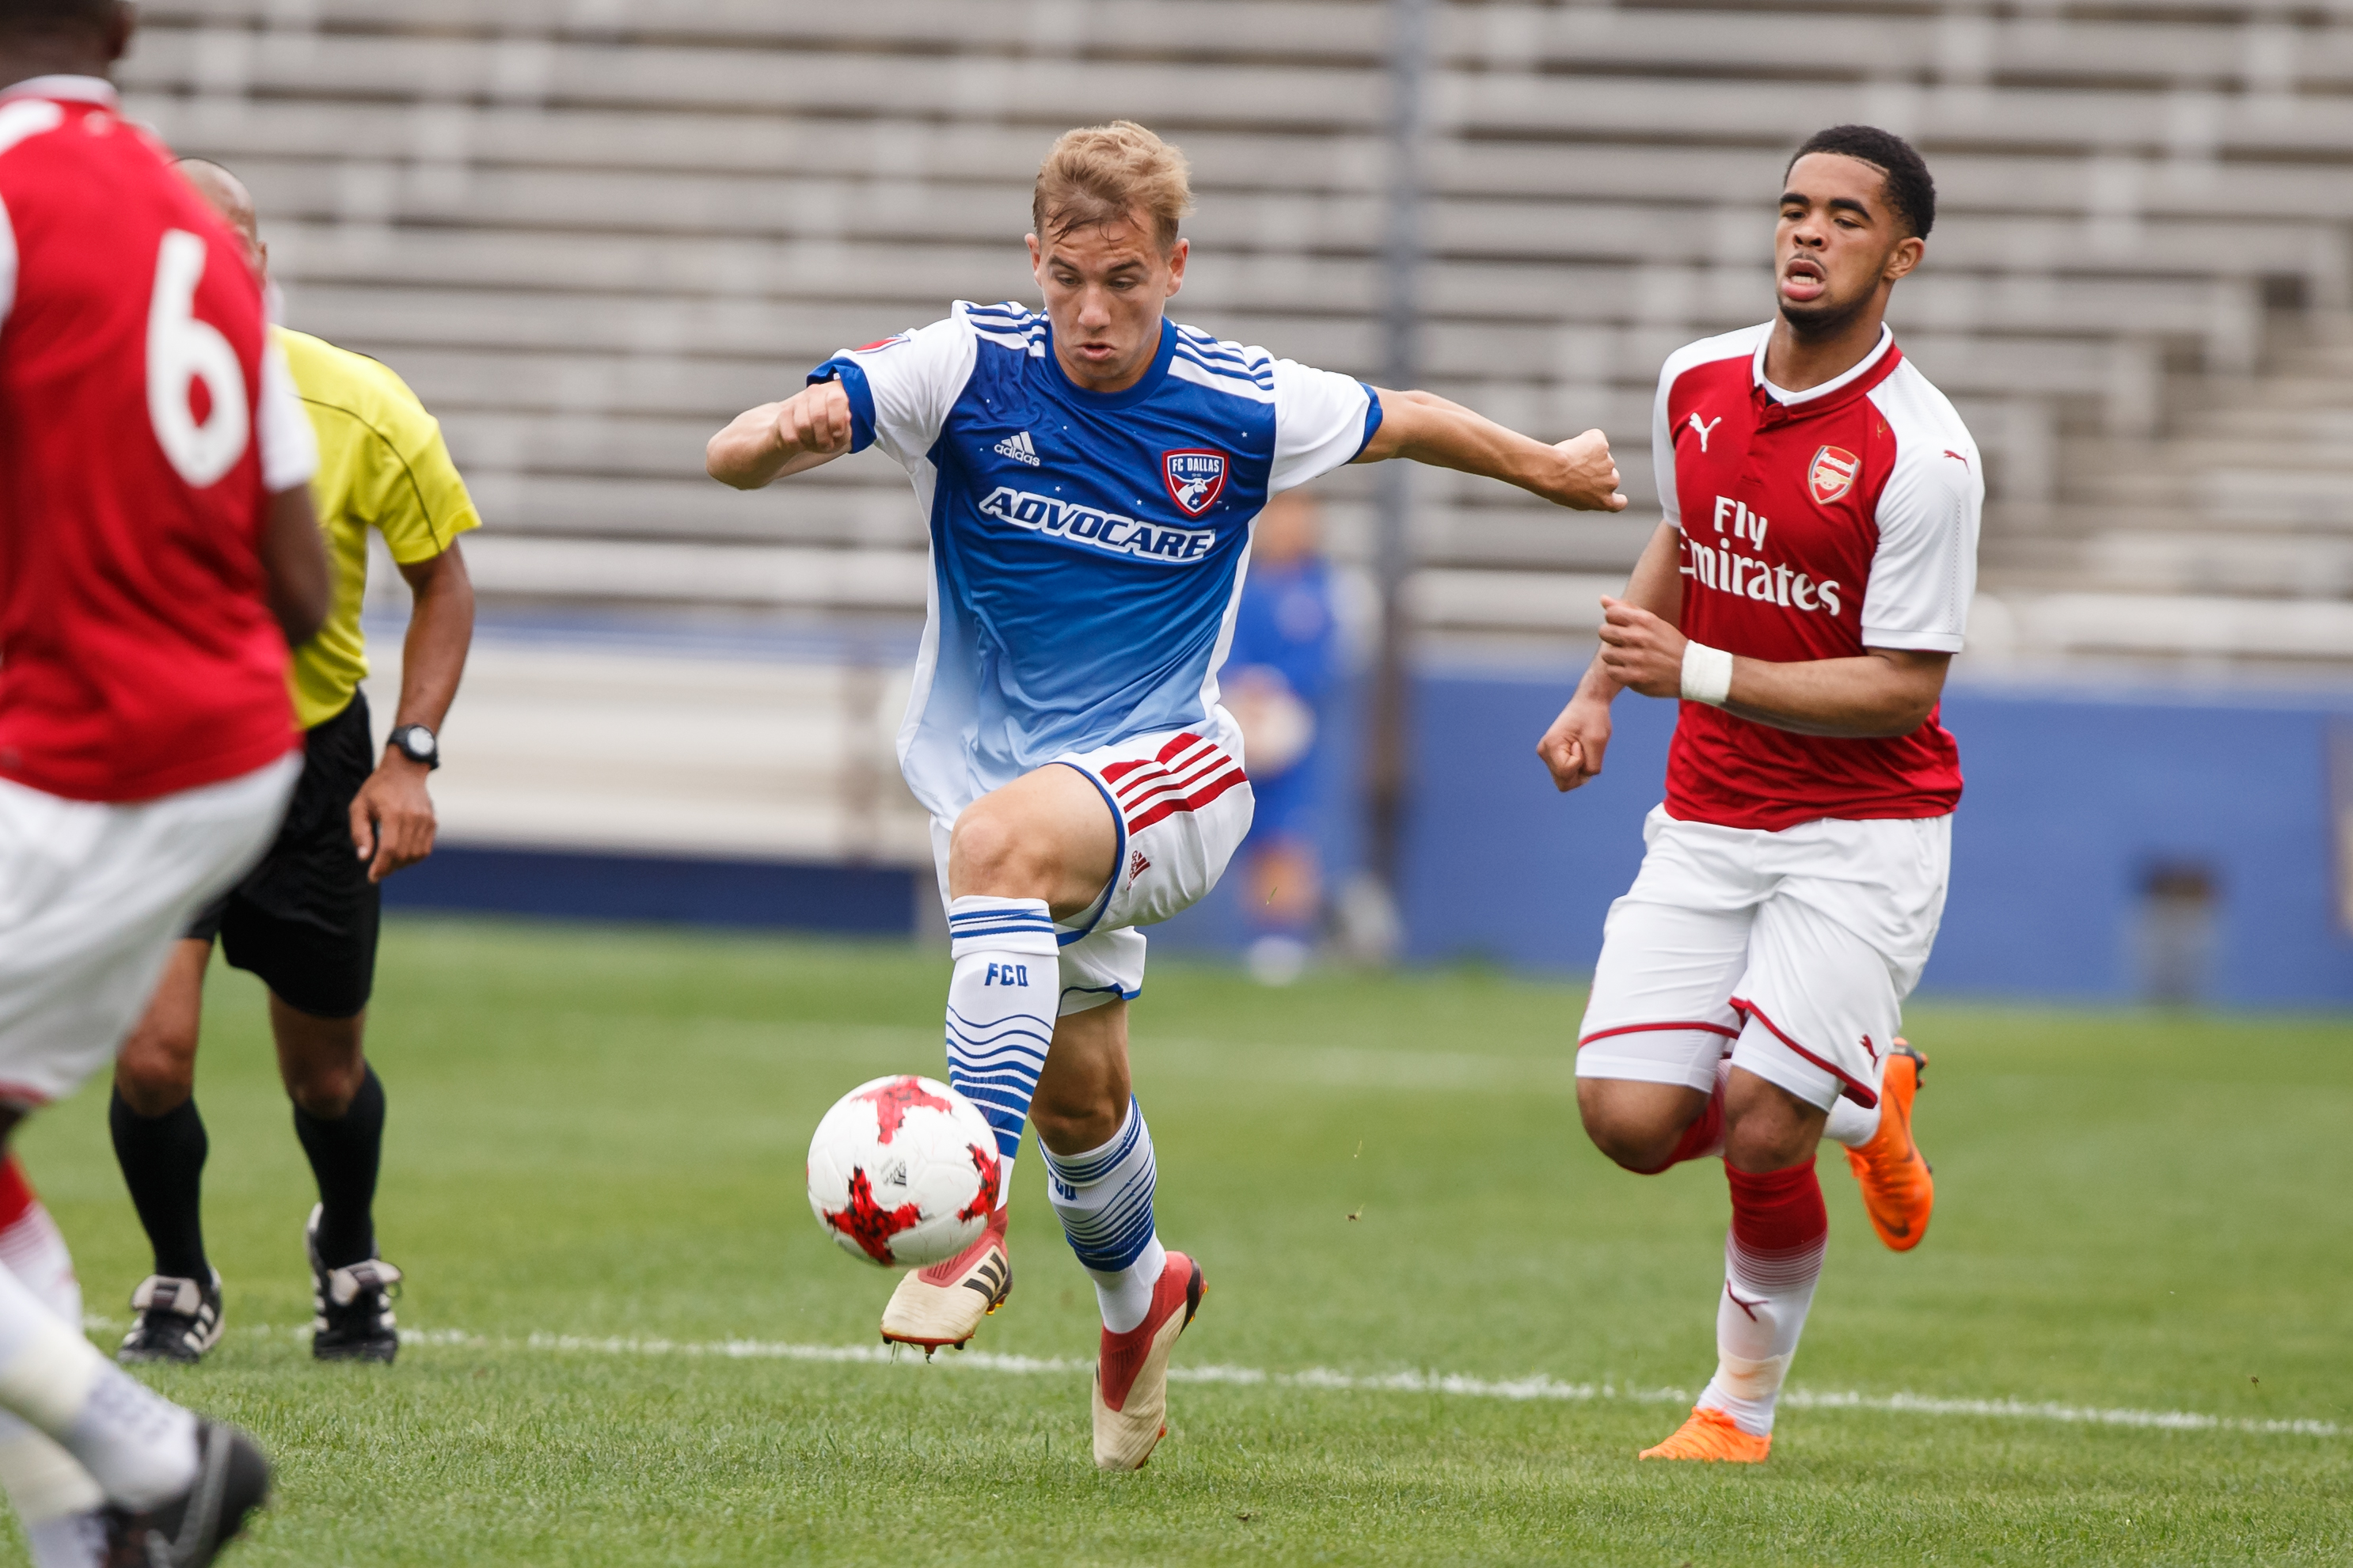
(1791, 953)
(1182, 804)
(91, 898)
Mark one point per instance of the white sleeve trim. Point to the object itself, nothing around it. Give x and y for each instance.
(1924, 574)
(1319, 423)
(1923, 642)
(290, 450)
(915, 380)
(7, 264)
(1662, 449)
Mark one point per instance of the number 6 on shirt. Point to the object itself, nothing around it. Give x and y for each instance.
(182, 351)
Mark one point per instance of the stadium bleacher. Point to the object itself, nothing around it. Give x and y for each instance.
(590, 231)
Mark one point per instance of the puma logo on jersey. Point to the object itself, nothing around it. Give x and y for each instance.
(1018, 446)
(1704, 431)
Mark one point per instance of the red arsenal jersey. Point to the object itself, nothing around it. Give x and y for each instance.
(137, 655)
(1815, 524)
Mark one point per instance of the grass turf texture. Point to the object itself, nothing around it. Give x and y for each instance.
(598, 1132)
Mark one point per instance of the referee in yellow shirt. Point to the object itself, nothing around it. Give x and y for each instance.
(305, 920)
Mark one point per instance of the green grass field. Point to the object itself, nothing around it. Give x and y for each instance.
(596, 1137)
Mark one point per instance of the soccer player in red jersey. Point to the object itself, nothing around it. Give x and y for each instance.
(157, 557)
(1802, 598)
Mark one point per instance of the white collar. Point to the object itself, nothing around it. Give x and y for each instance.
(70, 88)
(1845, 377)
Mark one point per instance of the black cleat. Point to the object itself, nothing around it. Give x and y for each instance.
(352, 1306)
(178, 1320)
(189, 1532)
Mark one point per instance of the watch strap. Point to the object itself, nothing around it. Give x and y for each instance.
(403, 738)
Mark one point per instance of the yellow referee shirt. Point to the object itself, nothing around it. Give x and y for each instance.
(381, 465)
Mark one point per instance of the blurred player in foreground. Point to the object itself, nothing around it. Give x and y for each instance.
(157, 555)
(1803, 597)
(1089, 477)
(1282, 668)
(305, 919)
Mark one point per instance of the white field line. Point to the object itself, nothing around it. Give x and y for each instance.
(1453, 1384)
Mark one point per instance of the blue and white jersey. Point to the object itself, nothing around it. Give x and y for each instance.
(1087, 548)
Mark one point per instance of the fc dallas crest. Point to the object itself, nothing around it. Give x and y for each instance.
(1831, 473)
(1196, 479)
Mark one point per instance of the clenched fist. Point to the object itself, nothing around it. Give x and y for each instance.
(764, 444)
(1588, 478)
(1572, 748)
(814, 421)
(1641, 651)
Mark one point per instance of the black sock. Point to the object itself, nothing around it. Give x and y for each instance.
(162, 1160)
(344, 1156)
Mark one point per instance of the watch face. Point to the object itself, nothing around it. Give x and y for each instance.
(418, 742)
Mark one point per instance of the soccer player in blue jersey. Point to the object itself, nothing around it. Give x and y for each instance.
(1089, 477)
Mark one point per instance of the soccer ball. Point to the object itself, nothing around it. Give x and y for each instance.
(904, 1172)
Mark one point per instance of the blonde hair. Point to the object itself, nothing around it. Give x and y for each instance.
(1098, 174)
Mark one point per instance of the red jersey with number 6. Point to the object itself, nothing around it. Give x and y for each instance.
(1815, 524)
(138, 656)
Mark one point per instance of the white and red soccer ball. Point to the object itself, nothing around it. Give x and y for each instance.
(903, 1171)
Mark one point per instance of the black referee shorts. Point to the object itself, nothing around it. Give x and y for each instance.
(305, 919)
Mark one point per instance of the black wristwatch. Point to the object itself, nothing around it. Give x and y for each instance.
(417, 744)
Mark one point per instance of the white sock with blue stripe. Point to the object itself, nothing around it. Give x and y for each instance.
(1104, 1197)
(1002, 1000)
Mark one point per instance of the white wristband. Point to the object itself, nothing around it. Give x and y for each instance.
(1707, 674)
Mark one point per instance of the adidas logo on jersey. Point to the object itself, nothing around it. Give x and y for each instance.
(1017, 448)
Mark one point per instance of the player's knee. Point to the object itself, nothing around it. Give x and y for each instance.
(324, 1086)
(1766, 1128)
(1758, 1146)
(1074, 1120)
(156, 1069)
(1641, 1142)
(989, 854)
(1641, 1150)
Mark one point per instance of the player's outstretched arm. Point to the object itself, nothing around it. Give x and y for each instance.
(297, 576)
(1427, 428)
(765, 444)
(1572, 748)
(1884, 691)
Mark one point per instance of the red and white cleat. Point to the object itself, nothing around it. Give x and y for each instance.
(1130, 1387)
(943, 1304)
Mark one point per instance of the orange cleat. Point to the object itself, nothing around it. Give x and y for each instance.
(1899, 1188)
(1711, 1435)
